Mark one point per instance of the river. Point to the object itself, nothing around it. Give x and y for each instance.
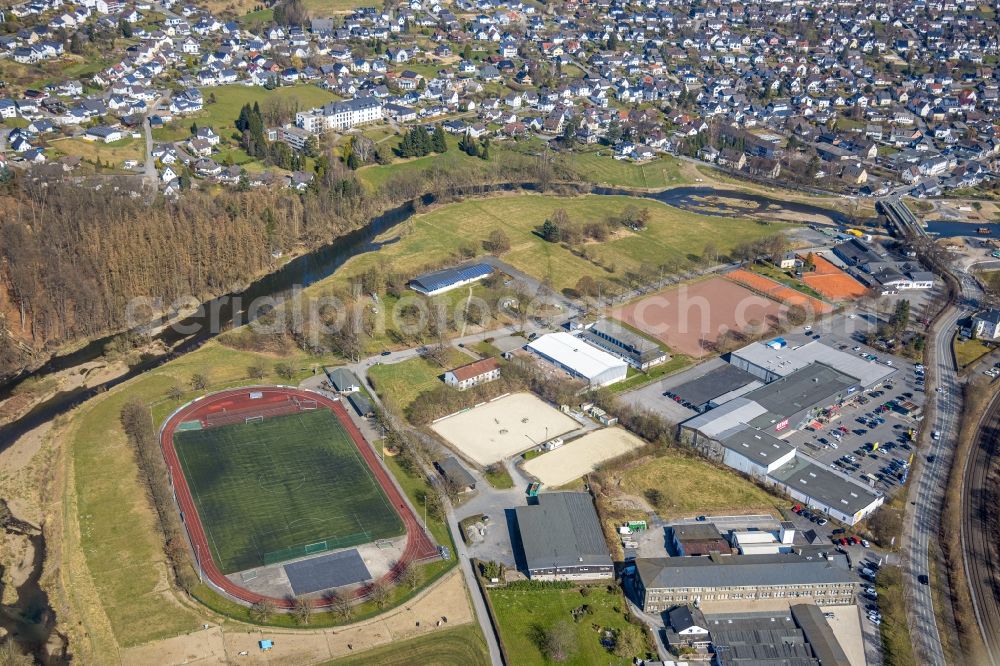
(321, 263)
(32, 620)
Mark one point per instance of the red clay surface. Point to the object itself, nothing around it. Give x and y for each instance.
(832, 282)
(276, 399)
(689, 318)
(778, 291)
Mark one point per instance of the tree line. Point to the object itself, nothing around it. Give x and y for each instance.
(72, 258)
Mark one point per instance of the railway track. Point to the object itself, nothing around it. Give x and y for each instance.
(977, 513)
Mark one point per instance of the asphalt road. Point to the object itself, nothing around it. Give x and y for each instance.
(926, 492)
(977, 537)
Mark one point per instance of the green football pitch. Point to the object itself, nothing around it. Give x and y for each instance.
(285, 487)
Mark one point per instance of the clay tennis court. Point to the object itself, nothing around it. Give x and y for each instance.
(502, 428)
(832, 282)
(778, 291)
(581, 456)
(689, 318)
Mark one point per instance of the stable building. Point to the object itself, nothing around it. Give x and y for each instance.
(561, 538)
(631, 347)
(438, 282)
(580, 359)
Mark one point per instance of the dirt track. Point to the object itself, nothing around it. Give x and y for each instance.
(222, 644)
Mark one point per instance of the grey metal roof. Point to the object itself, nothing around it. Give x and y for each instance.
(456, 473)
(743, 570)
(785, 361)
(815, 384)
(725, 418)
(624, 341)
(562, 530)
(824, 485)
(757, 445)
(341, 379)
(713, 384)
(819, 634)
(696, 531)
(361, 404)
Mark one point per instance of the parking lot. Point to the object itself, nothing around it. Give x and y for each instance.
(847, 440)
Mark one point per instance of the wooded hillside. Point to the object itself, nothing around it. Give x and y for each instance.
(73, 258)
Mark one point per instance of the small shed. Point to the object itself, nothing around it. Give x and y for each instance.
(265, 644)
(453, 471)
(361, 404)
(342, 380)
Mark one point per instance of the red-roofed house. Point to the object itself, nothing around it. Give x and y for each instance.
(477, 372)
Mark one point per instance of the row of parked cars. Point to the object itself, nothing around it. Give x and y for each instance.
(850, 541)
(817, 518)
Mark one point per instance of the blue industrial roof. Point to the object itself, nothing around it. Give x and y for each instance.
(438, 279)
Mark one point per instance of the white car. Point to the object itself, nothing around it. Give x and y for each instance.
(865, 544)
(807, 328)
(939, 389)
(936, 435)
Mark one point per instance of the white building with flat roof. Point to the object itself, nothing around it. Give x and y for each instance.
(769, 363)
(570, 353)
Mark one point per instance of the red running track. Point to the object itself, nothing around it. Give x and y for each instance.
(418, 545)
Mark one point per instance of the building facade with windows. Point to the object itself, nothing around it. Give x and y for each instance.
(664, 582)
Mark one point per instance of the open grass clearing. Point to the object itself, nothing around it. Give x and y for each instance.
(526, 615)
(401, 383)
(221, 115)
(969, 351)
(462, 645)
(679, 485)
(91, 151)
(672, 235)
(601, 168)
(377, 175)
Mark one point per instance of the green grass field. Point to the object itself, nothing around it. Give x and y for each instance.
(377, 175)
(687, 485)
(111, 549)
(222, 114)
(402, 383)
(266, 490)
(115, 153)
(524, 616)
(605, 170)
(672, 234)
(969, 351)
(452, 647)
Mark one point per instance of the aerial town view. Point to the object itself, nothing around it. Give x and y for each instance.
(500, 332)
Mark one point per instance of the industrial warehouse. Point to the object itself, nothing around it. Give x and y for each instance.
(561, 538)
(742, 425)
